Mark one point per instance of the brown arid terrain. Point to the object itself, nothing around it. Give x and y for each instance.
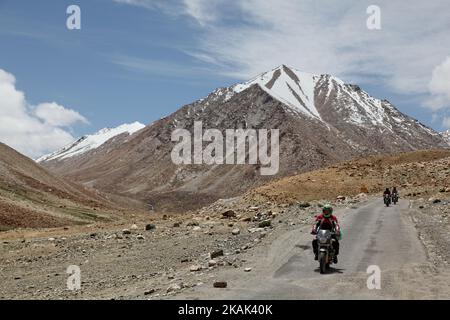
(373, 174)
(257, 244)
(347, 123)
(31, 197)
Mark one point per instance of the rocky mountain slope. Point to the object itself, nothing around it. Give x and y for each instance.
(32, 197)
(446, 135)
(321, 120)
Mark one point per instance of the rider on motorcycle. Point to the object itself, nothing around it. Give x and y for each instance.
(326, 221)
(394, 191)
(387, 192)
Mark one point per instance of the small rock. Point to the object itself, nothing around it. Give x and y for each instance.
(134, 227)
(51, 239)
(220, 284)
(176, 225)
(195, 268)
(248, 269)
(174, 287)
(149, 292)
(235, 232)
(149, 227)
(304, 204)
(126, 231)
(265, 223)
(196, 228)
(216, 254)
(229, 214)
(212, 263)
(140, 237)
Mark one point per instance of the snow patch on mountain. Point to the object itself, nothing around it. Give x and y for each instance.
(446, 135)
(290, 86)
(92, 141)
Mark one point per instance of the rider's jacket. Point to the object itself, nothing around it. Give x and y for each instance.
(323, 223)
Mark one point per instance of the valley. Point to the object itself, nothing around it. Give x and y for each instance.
(263, 234)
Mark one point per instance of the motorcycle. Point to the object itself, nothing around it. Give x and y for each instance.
(387, 200)
(326, 251)
(394, 198)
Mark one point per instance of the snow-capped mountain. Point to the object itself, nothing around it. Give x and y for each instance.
(307, 93)
(446, 135)
(321, 121)
(91, 142)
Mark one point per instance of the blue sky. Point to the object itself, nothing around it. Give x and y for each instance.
(139, 60)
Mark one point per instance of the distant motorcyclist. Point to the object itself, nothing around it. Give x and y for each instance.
(394, 191)
(394, 195)
(326, 221)
(387, 197)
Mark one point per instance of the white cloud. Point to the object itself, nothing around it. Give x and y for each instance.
(446, 122)
(32, 131)
(204, 11)
(55, 115)
(247, 37)
(440, 86)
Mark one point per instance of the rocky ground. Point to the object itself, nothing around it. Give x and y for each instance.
(155, 256)
(130, 262)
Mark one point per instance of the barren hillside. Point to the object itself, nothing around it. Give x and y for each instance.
(32, 197)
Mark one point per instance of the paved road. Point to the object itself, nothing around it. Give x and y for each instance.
(372, 235)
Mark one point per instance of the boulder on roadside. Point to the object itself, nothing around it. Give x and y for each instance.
(265, 223)
(195, 268)
(212, 263)
(216, 254)
(229, 214)
(220, 284)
